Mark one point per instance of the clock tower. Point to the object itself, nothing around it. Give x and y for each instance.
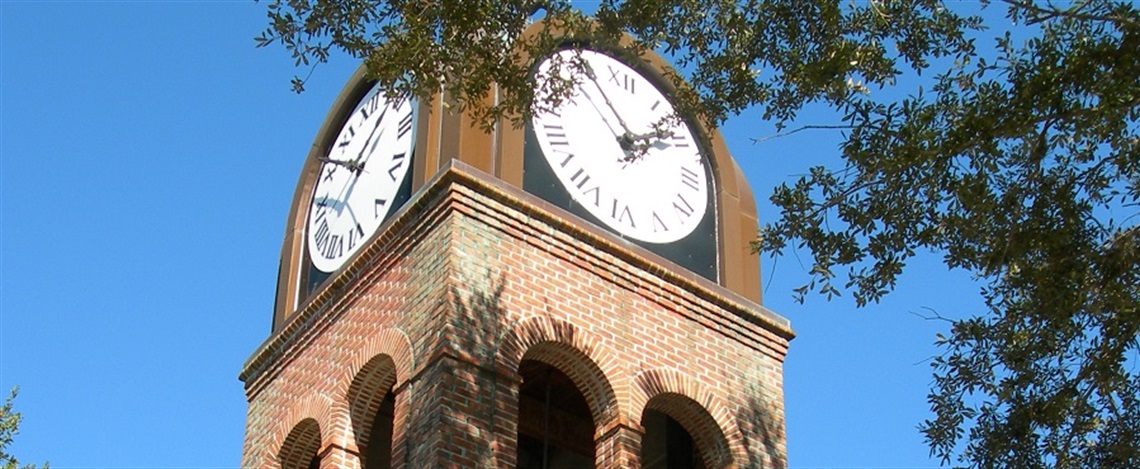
(574, 292)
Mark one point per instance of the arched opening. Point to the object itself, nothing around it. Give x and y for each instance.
(372, 409)
(378, 454)
(680, 433)
(555, 430)
(667, 444)
(299, 451)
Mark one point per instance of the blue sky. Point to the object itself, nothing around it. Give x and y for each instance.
(148, 155)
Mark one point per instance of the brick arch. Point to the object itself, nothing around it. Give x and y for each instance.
(366, 394)
(300, 445)
(389, 341)
(315, 408)
(573, 351)
(701, 412)
(384, 362)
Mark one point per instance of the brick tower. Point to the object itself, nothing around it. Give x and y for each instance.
(450, 297)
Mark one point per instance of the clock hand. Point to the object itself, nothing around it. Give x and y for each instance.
(601, 114)
(350, 165)
(655, 138)
(594, 78)
(366, 153)
(633, 145)
(352, 214)
(637, 145)
(347, 192)
(625, 139)
(360, 158)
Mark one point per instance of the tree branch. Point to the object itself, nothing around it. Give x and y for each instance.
(801, 129)
(1040, 14)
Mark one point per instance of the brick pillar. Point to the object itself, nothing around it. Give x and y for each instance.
(399, 425)
(506, 421)
(458, 418)
(338, 457)
(618, 444)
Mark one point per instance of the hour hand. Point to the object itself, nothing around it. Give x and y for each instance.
(637, 145)
(626, 140)
(350, 165)
(657, 136)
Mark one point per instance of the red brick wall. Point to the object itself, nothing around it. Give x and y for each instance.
(471, 279)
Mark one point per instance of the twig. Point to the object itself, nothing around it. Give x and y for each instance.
(935, 317)
(806, 127)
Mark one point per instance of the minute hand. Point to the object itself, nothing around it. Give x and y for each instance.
(594, 78)
(369, 143)
(627, 141)
(633, 145)
(601, 114)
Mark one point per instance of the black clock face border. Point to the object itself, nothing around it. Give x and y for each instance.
(363, 179)
(663, 198)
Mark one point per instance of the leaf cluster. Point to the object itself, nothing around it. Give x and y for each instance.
(418, 47)
(9, 426)
(1023, 168)
(780, 54)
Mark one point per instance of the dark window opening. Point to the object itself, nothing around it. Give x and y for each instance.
(667, 445)
(301, 447)
(379, 452)
(556, 430)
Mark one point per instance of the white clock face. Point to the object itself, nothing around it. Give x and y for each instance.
(614, 148)
(359, 179)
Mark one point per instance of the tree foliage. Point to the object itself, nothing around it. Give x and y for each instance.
(1017, 159)
(9, 426)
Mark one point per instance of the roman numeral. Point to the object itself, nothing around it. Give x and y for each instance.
(555, 134)
(597, 195)
(569, 156)
(689, 178)
(379, 208)
(658, 223)
(371, 106)
(622, 215)
(679, 140)
(580, 177)
(334, 248)
(347, 138)
(623, 80)
(322, 235)
(398, 162)
(405, 125)
(329, 172)
(355, 235)
(683, 210)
